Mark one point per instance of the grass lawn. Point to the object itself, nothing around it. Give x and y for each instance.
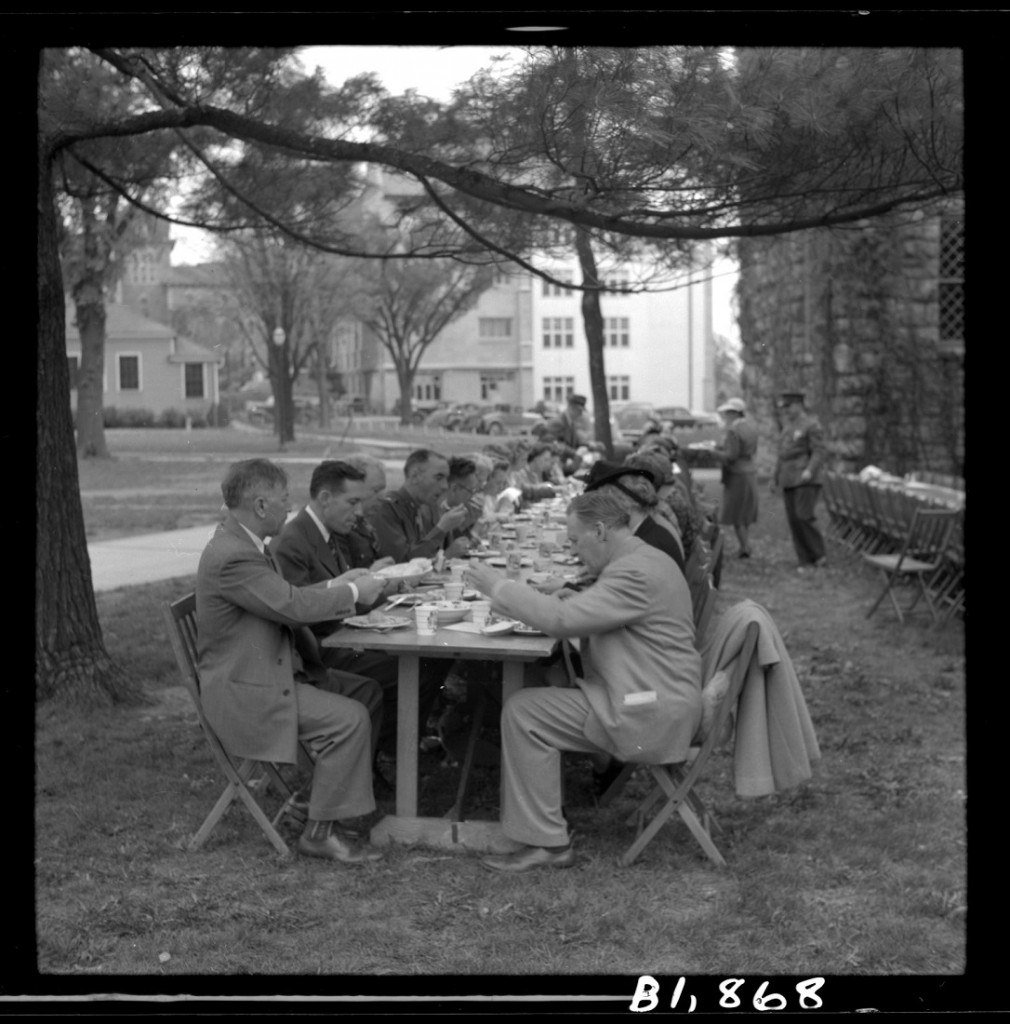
(171, 479)
(861, 872)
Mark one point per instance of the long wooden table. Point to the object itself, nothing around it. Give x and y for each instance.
(512, 650)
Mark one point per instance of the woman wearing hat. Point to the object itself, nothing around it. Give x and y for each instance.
(634, 489)
(739, 473)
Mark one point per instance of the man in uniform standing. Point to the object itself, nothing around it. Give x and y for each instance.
(801, 457)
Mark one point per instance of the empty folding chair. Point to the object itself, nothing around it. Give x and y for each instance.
(241, 773)
(921, 556)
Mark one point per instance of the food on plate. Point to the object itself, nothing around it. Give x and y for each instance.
(415, 568)
(376, 620)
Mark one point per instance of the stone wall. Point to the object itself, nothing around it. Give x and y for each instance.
(850, 316)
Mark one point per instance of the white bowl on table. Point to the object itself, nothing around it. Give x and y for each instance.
(447, 611)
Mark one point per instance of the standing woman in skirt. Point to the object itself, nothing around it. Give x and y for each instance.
(739, 473)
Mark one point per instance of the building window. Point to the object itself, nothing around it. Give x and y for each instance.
(558, 389)
(615, 331)
(74, 369)
(617, 281)
(549, 290)
(129, 373)
(559, 332)
(194, 380)
(494, 327)
(489, 384)
(428, 389)
(502, 277)
(951, 297)
(619, 388)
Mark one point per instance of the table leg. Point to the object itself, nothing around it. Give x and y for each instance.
(407, 739)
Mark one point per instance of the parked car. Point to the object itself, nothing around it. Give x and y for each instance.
(452, 417)
(706, 419)
(508, 419)
(419, 409)
(628, 420)
(676, 415)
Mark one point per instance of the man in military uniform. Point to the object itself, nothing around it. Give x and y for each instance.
(408, 523)
(801, 456)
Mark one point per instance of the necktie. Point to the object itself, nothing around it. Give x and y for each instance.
(338, 555)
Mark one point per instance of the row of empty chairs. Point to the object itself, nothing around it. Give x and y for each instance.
(953, 483)
(907, 537)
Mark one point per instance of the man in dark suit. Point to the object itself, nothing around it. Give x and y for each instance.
(308, 551)
(361, 545)
(256, 692)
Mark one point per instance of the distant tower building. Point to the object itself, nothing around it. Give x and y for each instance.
(145, 268)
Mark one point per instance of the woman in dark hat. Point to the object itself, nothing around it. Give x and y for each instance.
(739, 473)
(635, 490)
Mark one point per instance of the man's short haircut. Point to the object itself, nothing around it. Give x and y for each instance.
(460, 468)
(331, 475)
(248, 476)
(539, 449)
(365, 463)
(594, 507)
(419, 458)
(481, 461)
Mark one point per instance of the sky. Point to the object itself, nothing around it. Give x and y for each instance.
(433, 71)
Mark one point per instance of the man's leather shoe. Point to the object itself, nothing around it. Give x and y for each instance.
(335, 847)
(532, 857)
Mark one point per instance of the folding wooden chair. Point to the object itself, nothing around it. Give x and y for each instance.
(242, 774)
(674, 790)
(920, 559)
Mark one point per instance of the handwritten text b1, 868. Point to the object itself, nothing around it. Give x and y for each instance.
(647, 996)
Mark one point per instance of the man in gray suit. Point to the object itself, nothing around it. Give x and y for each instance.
(255, 688)
(640, 696)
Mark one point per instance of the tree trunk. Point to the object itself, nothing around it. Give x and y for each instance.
(406, 382)
(280, 381)
(323, 386)
(71, 663)
(592, 319)
(89, 304)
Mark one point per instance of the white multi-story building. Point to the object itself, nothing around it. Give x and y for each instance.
(524, 340)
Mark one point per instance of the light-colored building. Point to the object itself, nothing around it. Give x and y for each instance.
(524, 341)
(147, 365)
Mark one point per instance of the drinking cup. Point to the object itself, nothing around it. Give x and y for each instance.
(480, 612)
(513, 564)
(454, 590)
(522, 532)
(424, 619)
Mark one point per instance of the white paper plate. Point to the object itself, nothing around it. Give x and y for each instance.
(500, 563)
